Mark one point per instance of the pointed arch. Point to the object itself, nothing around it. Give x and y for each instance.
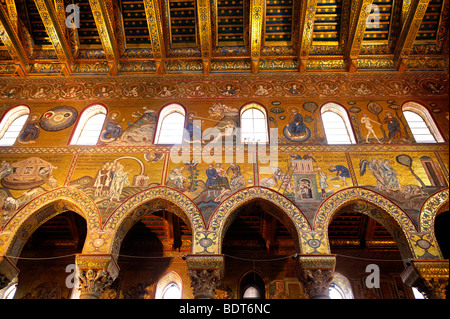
(342, 286)
(165, 281)
(225, 212)
(384, 211)
(252, 280)
(42, 208)
(345, 197)
(435, 204)
(149, 201)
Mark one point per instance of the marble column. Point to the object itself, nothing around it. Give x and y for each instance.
(316, 272)
(95, 273)
(205, 272)
(8, 271)
(429, 276)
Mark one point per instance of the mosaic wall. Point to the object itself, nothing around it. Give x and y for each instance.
(307, 172)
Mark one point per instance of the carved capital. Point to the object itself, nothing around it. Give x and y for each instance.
(316, 273)
(204, 282)
(317, 282)
(92, 282)
(8, 271)
(205, 273)
(429, 276)
(95, 273)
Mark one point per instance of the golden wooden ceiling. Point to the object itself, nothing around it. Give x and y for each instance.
(222, 36)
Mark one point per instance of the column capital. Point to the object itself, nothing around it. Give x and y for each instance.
(316, 273)
(205, 272)
(430, 276)
(8, 271)
(95, 273)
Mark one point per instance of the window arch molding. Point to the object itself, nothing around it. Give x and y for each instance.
(263, 133)
(253, 282)
(87, 114)
(342, 287)
(10, 290)
(166, 281)
(425, 115)
(7, 121)
(341, 111)
(177, 128)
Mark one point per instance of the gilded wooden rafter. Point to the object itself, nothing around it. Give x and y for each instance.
(49, 18)
(12, 11)
(104, 23)
(204, 21)
(71, 34)
(11, 40)
(155, 30)
(405, 9)
(60, 13)
(409, 31)
(358, 27)
(257, 18)
(308, 14)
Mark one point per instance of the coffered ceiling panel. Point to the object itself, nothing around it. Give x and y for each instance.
(192, 36)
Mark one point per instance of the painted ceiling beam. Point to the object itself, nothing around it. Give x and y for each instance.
(360, 14)
(307, 13)
(11, 40)
(49, 18)
(105, 28)
(405, 9)
(12, 10)
(409, 31)
(60, 13)
(155, 31)
(204, 21)
(257, 18)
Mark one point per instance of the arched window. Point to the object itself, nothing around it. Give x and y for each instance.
(251, 292)
(336, 124)
(169, 286)
(421, 123)
(340, 287)
(252, 286)
(89, 125)
(10, 291)
(172, 291)
(417, 293)
(12, 123)
(254, 124)
(170, 126)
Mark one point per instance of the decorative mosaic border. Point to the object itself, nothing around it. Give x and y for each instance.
(431, 208)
